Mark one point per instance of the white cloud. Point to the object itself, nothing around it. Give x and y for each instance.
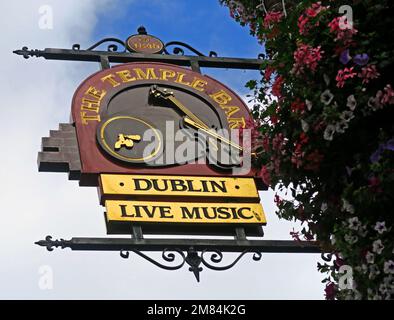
(36, 96)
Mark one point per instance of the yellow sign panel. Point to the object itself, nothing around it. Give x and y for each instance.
(114, 184)
(185, 212)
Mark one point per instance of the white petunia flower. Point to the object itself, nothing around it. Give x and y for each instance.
(377, 297)
(326, 97)
(326, 79)
(383, 289)
(357, 295)
(346, 206)
(389, 267)
(377, 246)
(354, 223)
(373, 271)
(351, 239)
(370, 257)
(304, 125)
(329, 132)
(380, 227)
(389, 280)
(341, 126)
(351, 102)
(347, 116)
(363, 231)
(323, 207)
(308, 105)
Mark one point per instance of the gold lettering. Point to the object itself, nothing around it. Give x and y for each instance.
(125, 76)
(230, 110)
(150, 74)
(98, 94)
(179, 79)
(85, 118)
(198, 84)
(165, 74)
(221, 97)
(90, 105)
(235, 123)
(111, 80)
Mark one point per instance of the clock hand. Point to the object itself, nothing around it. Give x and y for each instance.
(212, 133)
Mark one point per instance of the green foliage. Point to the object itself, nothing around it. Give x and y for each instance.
(325, 110)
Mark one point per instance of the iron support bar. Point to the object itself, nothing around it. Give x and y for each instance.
(123, 57)
(117, 244)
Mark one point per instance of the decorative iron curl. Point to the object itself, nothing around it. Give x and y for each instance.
(327, 257)
(168, 255)
(217, 257)
(179, 51)
(111, 48)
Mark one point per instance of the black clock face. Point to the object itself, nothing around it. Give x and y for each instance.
(163, 125)
(122, 136)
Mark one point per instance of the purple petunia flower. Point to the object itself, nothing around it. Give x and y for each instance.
(389, 145)
(375, 157)
(345, 57)
(361, 59)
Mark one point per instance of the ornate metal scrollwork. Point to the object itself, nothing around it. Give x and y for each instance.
(326, 257)
(193, 259)
(51, 244)
(168, 255)
(179, 51)
(111, 47)
(217, 257)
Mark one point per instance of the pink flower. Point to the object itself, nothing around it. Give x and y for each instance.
(277, 142)
(268, 73)
(271, 18)
(315, 9)
(276, 162)
(297, 106)
(314, 159)
(278, 201)
(303, 24)
(388, 96)
(266, 143)
(295, 235)
(343, 75)
(304, 19)
(334, 25)
(274, 119)
(296, 157)
(265, 175)
(306, 57)
(342, 34)
(368, 73)
(277, 87)
(330, 291)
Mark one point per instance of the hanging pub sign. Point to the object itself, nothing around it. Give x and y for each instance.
(168, 149)
(154, 132)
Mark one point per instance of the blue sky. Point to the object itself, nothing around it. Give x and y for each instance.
(36, 97)
(204, 24)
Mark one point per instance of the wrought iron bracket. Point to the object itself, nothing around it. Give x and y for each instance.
(124, 57)
(195, 253)
(118, 52)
